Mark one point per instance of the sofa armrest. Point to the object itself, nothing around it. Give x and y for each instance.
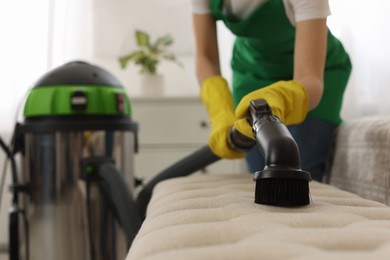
(361, 158)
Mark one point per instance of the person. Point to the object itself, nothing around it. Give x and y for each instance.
(284, 53)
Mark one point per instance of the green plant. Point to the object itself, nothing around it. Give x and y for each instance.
(149, 54)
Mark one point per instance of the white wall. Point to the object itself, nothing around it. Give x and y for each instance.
(363, 27)
(115, 21)
(23, 48)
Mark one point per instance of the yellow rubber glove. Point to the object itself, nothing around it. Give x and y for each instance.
(287, 99)
(218, 102)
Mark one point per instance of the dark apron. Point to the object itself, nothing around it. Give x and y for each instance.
(263, 53)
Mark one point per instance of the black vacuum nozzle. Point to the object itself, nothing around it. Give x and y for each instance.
(282, 182)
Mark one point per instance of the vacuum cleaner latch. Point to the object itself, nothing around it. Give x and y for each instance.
(79, 100)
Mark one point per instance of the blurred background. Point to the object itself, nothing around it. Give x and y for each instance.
(39, 35)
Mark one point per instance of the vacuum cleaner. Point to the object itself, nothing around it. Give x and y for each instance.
(74, 196)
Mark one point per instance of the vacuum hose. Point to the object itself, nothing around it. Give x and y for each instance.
(190, 164)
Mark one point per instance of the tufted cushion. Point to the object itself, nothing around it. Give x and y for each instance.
(361, 160)
(214, 217)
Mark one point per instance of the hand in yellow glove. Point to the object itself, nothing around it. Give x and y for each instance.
(218, 102)
(287, 99)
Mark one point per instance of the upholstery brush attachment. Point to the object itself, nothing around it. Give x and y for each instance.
(280, 187)
(282, 182)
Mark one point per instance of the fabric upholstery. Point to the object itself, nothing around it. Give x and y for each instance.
(214, 217)
(361, 159)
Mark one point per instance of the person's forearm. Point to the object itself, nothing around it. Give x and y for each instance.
(207, 56)
(309, 58)
(206, 68)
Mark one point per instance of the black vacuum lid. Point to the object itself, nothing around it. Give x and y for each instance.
(77, 73)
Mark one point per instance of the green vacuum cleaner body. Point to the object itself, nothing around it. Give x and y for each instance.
(78, 91)
(76, 121)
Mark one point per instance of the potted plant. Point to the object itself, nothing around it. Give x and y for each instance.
(149, 54)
